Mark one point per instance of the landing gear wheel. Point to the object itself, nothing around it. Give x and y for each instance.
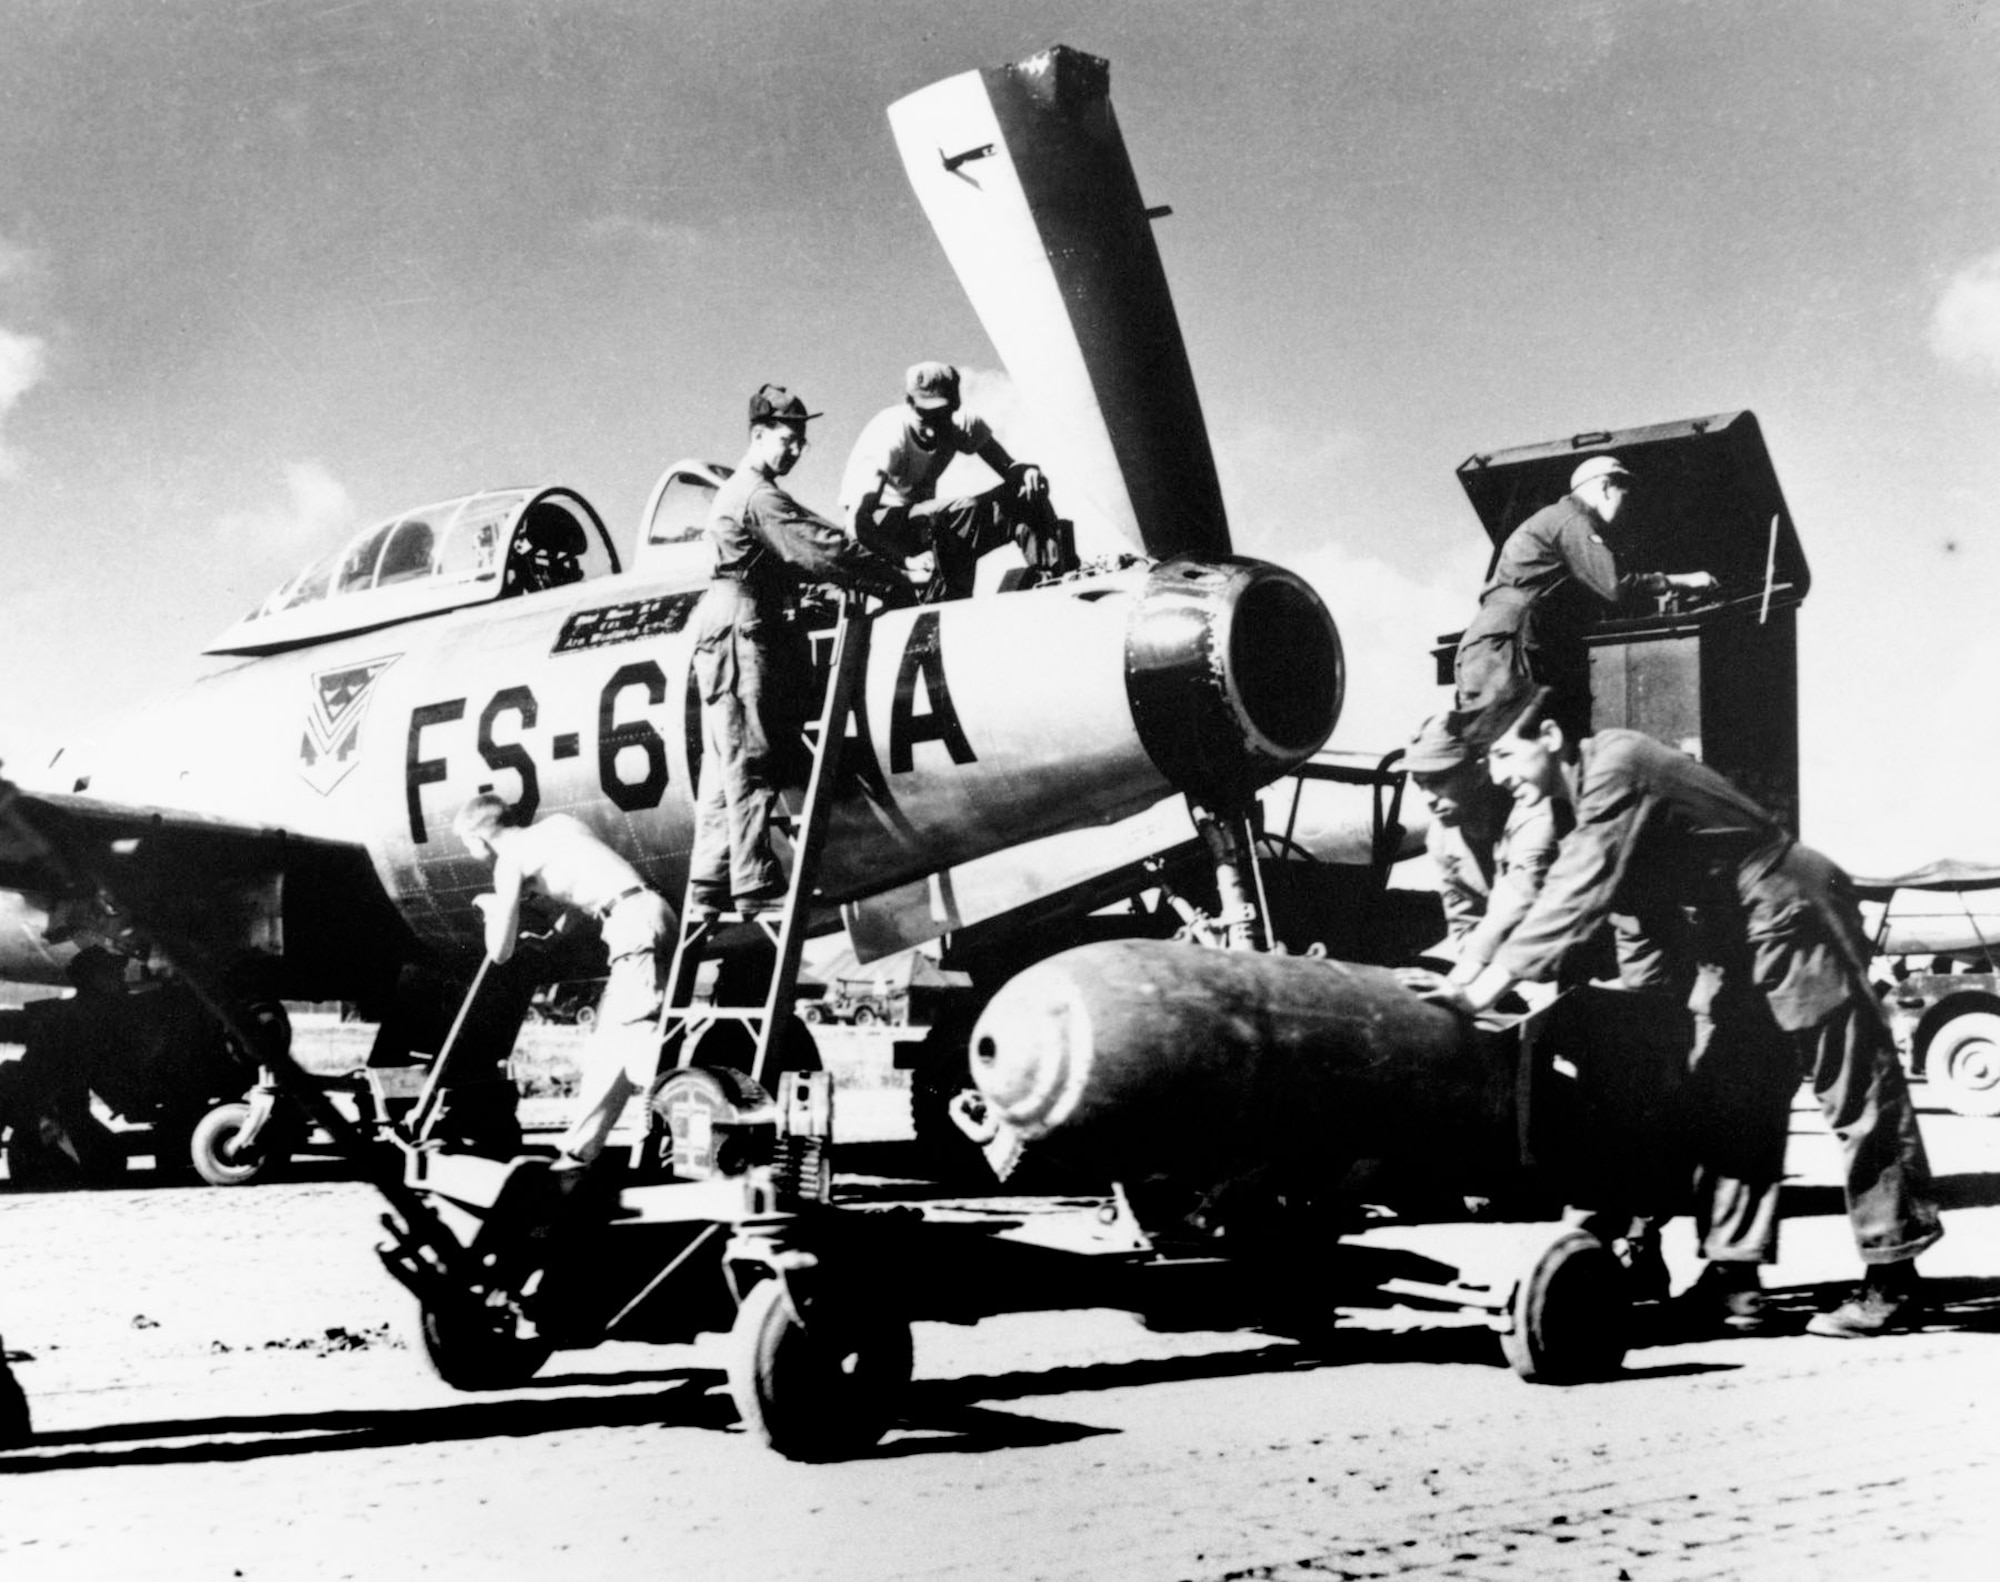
(472, 1346)
(218, 1157)
(1570, 1313)
(1963, 1065)
(818, 1393)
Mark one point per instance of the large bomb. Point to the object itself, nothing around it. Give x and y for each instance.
(1144, 1058)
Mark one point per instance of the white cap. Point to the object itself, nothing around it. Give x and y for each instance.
(1597, 467)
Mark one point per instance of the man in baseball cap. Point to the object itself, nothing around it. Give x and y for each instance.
(1556, 576)
(889, 491)
(751, 660)
(1491, 853)
(776, 404)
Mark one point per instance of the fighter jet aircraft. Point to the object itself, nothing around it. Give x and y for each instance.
(292, 808)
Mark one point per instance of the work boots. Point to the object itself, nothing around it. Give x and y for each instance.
(1726, 1296)
(1890, 1298)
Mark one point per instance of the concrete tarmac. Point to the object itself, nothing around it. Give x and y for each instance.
(224, 1386)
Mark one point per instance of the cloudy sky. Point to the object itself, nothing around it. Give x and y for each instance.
(272, 269)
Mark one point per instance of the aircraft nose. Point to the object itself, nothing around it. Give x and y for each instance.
(1235, 674)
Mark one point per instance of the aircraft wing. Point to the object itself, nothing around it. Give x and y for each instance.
(1946, 874)
(204, 877)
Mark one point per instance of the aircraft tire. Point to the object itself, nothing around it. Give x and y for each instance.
(1570, 1313)
(219, 1162)
(1963, 1064)
(469, 1350)
(819, 1394)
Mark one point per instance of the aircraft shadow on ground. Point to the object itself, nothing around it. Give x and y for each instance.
(691, 1401)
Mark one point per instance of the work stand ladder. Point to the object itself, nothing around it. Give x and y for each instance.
(683, 1019)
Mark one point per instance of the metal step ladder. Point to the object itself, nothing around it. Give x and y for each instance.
(684, 1019)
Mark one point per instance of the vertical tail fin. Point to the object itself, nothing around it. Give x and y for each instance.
(1024, 176)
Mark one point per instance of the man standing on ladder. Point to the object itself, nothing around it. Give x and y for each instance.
(560, 858)
(751, 658)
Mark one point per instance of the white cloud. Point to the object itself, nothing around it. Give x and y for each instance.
(1965, 328)
(23, 361)
(316, 509)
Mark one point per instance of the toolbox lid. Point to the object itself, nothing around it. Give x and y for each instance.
(1704, 498)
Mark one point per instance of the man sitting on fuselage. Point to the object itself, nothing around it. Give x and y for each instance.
(888, 493)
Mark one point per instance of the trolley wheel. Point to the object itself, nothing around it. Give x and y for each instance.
(821, 1393)
(219, 1160)
(1570, 1313)
(1963, 1064)
(475, 1347)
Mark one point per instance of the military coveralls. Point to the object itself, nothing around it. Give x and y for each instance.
(1487, 885)
(753, 668)
(1778, 935)
(1555, 577)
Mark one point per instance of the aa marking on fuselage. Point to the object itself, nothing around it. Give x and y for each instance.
(630, 750)
(337, 704)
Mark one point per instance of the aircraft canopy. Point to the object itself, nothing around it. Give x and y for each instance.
(493, 545)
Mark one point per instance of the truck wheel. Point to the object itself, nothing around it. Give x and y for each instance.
(1963, 1065)
(217, 1158)
(866, 1016)
(821, 1393)
(1570, 1313)
(474, 1347)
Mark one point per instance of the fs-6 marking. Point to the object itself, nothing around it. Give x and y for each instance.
(628, 706)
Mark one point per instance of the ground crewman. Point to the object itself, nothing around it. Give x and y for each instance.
(560, 860)
(889, 491)
(1655, 832)
(752, 662)
(1556, 576)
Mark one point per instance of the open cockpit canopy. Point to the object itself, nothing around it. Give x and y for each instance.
(493, 545)
(672, 536)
